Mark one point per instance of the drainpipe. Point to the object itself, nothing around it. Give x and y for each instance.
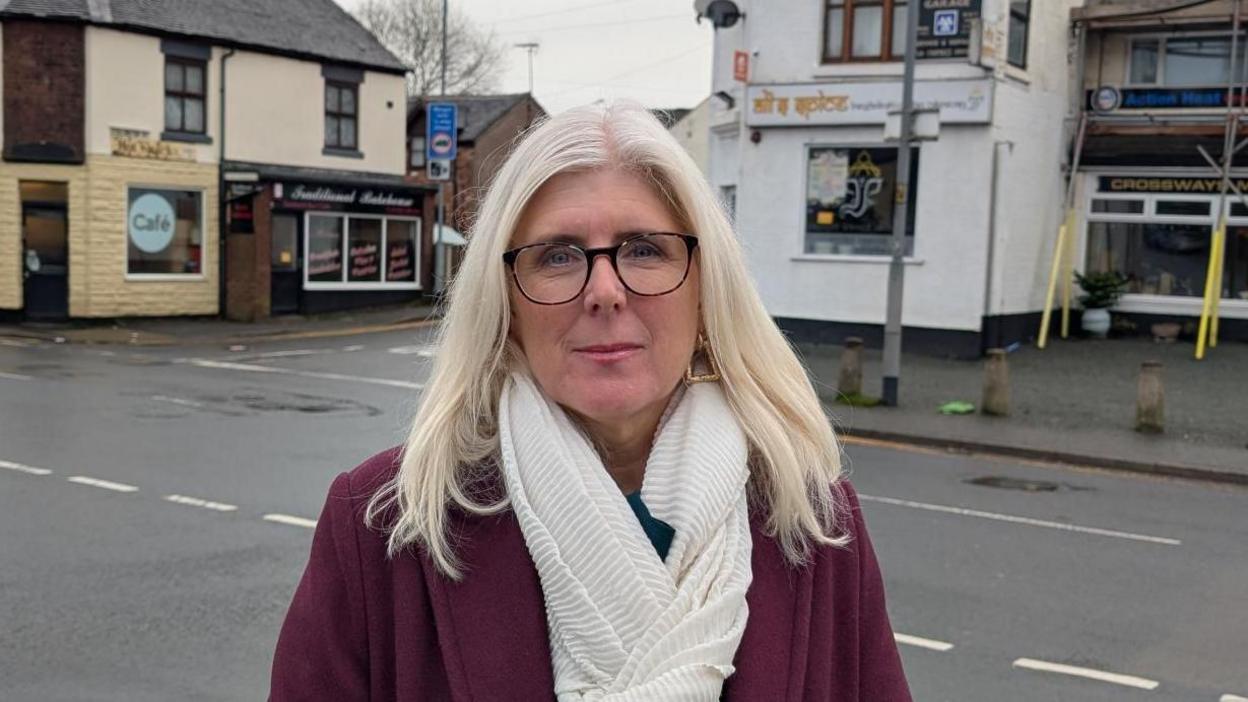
(993, 219)
(221, 297)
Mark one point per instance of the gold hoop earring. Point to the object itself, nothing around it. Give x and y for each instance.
(712, 367)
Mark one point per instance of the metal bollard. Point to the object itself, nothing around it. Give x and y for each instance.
(1150, 401)
(996, 399)
(849, 382)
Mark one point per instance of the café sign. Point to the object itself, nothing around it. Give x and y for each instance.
(808, 104)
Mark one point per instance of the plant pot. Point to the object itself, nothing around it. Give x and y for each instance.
(1096, 322)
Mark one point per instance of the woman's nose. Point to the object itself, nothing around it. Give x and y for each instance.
(604, 289)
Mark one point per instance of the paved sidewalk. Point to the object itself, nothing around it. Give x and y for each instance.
(189, 331)
(1073, 403)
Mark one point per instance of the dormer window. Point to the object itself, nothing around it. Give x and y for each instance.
(864, 30)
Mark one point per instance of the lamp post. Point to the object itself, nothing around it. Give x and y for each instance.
(901, 210)
(531, 48)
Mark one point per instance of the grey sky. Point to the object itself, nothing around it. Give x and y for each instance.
(648, 50)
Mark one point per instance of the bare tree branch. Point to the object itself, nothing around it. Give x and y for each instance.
(412, 30)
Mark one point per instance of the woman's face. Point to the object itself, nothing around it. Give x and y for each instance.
(608, 355)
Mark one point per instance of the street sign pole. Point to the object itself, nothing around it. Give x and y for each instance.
(441, 120)
(901, 211)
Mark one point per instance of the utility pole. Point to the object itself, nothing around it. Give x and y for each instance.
(901, 210)
(531, 48)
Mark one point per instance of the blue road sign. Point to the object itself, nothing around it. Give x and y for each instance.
(946, 23)
(441, 120)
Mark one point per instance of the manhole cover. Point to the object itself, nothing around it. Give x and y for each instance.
(1004, 483)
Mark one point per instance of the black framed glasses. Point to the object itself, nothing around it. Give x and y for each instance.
(651, 264)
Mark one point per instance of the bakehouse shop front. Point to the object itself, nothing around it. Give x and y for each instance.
(332, 246)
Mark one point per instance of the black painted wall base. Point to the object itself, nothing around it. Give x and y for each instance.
(999, 331)
(316, 302)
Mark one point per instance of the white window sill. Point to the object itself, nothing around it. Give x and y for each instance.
(151, 277)
(314, 286)
(851, 258)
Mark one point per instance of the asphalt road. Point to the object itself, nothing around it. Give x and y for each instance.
(155, 509)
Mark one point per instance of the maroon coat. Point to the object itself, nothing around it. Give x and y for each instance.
(363, 627)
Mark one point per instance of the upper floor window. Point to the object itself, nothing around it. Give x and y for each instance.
(340, 115)
(1182, 60)
(418, 152)
(864, 30)
(184, 95)
(1020, 24)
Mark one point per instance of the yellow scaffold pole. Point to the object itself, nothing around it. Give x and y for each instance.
(1219, 252)
(1064, 254)
(1058, 257)
(1208, 309)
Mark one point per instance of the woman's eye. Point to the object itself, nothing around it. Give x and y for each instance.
(644, 250)
(556, 258)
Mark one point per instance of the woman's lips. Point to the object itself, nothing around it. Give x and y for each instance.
(608, 353)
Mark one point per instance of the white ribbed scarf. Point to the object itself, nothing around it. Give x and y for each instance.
(623, 624)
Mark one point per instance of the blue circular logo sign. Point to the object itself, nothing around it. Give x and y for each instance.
(151, 223)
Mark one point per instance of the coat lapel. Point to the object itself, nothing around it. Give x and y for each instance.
(492, 624)
(771, 661)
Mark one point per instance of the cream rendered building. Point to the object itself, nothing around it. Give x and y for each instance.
(114, 145)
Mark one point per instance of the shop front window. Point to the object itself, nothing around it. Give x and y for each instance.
(1159, 258)
(361, 251)
(850, 193)
(365, 249)
(164, 232)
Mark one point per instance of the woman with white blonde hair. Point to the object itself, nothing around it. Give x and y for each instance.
(619, 484)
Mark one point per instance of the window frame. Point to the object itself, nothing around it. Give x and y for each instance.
(354, 88)
(1013, 14)
(344, 283)
(1162, 39)
(912, 204)
(203, 234)
(184, 95)
(847, 8)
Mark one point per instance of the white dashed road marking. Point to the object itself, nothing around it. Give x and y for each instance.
(15, 376)
(196, 502)
(930, 644)
(177, 401)
(248, 368)
(1062, 526)
(353, 347)
(1232, 698)
(106, 484)
(423, 351)
(1090, 673)
(292, 521)
(23, 468)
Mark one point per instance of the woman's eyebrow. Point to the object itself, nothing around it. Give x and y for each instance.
(581, 239)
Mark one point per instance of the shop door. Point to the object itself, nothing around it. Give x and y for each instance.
(286, 274)
(45, 261)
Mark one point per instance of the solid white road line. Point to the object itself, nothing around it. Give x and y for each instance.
(1090, 673)
(1232, 698)
(15, 343)
(106, 484)
(15, 376)
(23, 468)
(921, 642)
(196, 502)
(1062, 526)
(292, 521)
(248, 368)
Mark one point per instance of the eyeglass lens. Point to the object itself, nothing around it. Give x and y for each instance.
(653, 264)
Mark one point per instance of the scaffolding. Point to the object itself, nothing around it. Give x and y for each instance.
(1063, 254)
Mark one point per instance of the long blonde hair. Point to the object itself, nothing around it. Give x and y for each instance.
(796, 460)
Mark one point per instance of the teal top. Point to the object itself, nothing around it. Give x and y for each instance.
(659, 532)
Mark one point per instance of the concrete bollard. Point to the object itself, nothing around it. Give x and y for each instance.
(996, 399)
(1150, 400)
(849, 382)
